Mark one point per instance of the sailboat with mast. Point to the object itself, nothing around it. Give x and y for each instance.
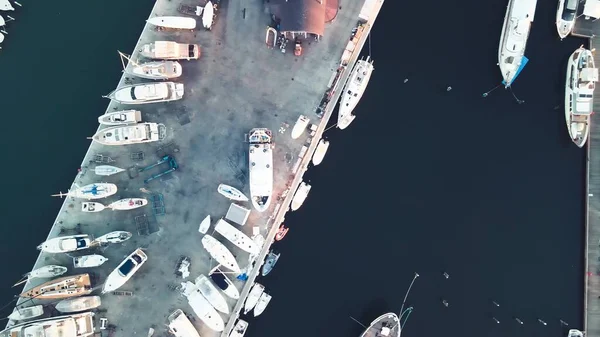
(353, 91)
(153, 70)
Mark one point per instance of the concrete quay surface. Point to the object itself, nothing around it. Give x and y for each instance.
(236, 85)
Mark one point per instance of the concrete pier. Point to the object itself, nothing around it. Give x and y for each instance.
(236, 85)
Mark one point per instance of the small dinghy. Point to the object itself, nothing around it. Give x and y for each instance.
(204, 225)
(253, 296)
(239, 330)
(65, 244)
(270, 262)
(262, 303)
(220, 253)
(89, 261)
(92, 207)
(121, 117)
(21, 314)
(91, 191)
(300, 195)
(224, 283)
(128, 204)
(207, 15)
(300, 126)
(79, 304)
(281, 233)
(173, 22)
(107, 170)
(212, 295)
(320, 152)
(114, 237)
(231, 193)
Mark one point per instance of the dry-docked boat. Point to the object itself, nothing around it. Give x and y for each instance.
(173, 22)
(300, 126)
(121, 117)
(300, 196)
(220, 253)
(169, 50)
(320, 152)
(384, 325)
(128, 204)
(92, 207)
(114, 237)
(204, 225)
(77, 325)
(582, 76)
(89, 261)
(515, 32)
(236, 236)
(353, 91)
(202, 307)
(253, 296)
(64, 287)
(107, 170)
(78, 304)
(565, 17)
(43, 272)
(91, 191)
(262, 303)
(22, 314)
(157, 70)
(239, 329)
(131, 134)
(144, 93)
(261, 168)
(180, 325)
(231, 193)
(64, 244)
(224, 283)
(125, 270)
(207, 15)
(212, 294)
(270, 262)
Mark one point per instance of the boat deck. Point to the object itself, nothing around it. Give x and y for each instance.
(236, 85)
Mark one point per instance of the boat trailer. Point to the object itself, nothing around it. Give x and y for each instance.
(166, 159)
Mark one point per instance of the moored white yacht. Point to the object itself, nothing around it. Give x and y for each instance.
(300, 196)
(63, 287)
(320, 152)
(91, 191)
(565, 17)
(220, 253)
(204, 225)
(107, 170)
(122, 117)
(262, 303)
(224, 283)
(513, 40)
(125, 270)
(173, 22)
(582, 76)
(353, 91)
(212, 294)
(300, 126)
(78, 304)
(236, 236)
(261, 168)
(180, 325)
(144, 93)
(65, 244)
(128, 204)
(43, 272)
(385, 325)
(253, 296)
(77, 325)
(131, 134)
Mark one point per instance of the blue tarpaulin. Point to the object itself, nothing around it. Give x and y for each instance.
(523, 64)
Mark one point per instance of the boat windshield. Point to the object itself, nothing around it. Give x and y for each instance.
(81, 243)
(570, 10)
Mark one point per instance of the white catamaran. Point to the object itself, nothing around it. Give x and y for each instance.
(261, 168)
(565, 17)
(131, 134)
(123, 117)
(353, 91)
(582, 76)
(144, 93)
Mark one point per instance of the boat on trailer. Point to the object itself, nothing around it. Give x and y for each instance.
(92, 207)
(582, 76)
(253, 296)
(22, 314)
(224, 283)
(565, 17)
(220, 253)
(262, 303)
(91, 191)
(107, 170)
(239, 330)
(173, 22)
(64, 287)
(114, 237)
(89, 261)
(128, 204)
(131, 134)
(122, 117)
(232, 193)
(65, 244)
(78, 304)
(236, 236)
(144, 93)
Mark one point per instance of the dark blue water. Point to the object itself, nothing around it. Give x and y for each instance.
(425, 180)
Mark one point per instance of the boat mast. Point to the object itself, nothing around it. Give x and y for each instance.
(404, 302)
(128, 59)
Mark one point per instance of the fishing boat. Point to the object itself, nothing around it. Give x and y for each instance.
(91, 191)
(204, 225)
(262, 303)
(78, 304)
(575, 333)
(353, 91)
(92, 207)
(65, 244)
(253, 296)
(565, 17)
(236, 236)
(224, 283)
(385, 325)
(22, 314)
(173, 22)
(320, 152)
(212, 294)
(114, 237)
(207, 15)
(64, 287)
(202, 307)
(6, 6)
(220, 253)
(180, 325)
(169, 50)
(107, 170)
(231, 193)
(131, 134)
(89, 261)
(261, 168)
(281, 232)
(239, 330)
(144, 93)
(582, 76)
(515, 32)
(125, 271)
(270, 262)
(300, 126)
(128, 204)
(77, 325)
(122, 117)
(300, 196)
(43, 272)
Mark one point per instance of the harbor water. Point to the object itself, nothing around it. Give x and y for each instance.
(425, 180)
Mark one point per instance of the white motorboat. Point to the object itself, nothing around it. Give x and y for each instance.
(204, 225)
(207, 15)
(43, 272)
(180, 325)
(107, 170)
(262, 303)
(320, 152)
(114, 237)
(231, 193)
(582, 76)
(91, 191)
(300, 126)
(79, 304)
(144, 93)
(92, 207)
(239, 330)
(236, 236)
(6, 6)
(261, 168)
(125, 271)
(353, 91)
(565, 17)
(173, 22)
(202, 307)
(122, 117)
(128, 204)
(220, 253)
(65, 244)
(131, 134)
(64, 287)
(169, 50)
(575, 333)
(157, 70)
(270, 262)
(253, 296)
(224, 283)
(22, 314)
(385, 325)
(77, 325)
(89, 261)
(515, 32)
(300, 196)
(212, 294)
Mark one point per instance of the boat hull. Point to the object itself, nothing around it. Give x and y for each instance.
(224, 283)
(64, 287)
(92, 207)
(65, 244)
(253, 297)
(564, 25)
(107, 170)
(114, 237)
(157, 70)
(231, 193)
(207, 15)
(220, 253)
(353, 91)
(236, 236)
(128, 267)
(128, 204)
(82, 325)
(124, 117)
(78, 304)
(261, 168)
(270, 262)
(21, 314)
(89, 261)
(320, 152)
(131, 134)
(239, 330)
(262, 303)
(154, 93)
(173, 22)
(204, 225)
(212, 294)
(300, 126)
(578, 131)
(300, 195)
(47, 271)
(389, 321)
(180, 325)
